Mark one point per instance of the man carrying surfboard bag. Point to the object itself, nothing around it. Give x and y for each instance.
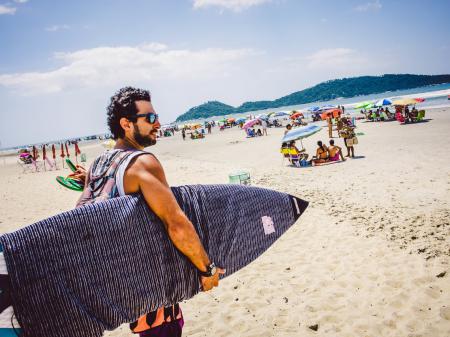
(127, 169)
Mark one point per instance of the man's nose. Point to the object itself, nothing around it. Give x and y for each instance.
(157, 124)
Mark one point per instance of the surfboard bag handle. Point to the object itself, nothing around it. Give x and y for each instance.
(5, 293)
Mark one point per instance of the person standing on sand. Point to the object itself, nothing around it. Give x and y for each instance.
(330, 126)
(183, 133)
(127, 169)
(264, 127)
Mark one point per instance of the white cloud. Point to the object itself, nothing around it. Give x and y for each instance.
(56, 28)
(234, 5)
(20, 1)
(106, 66)
(335, 58)
(369, 6)
(7, 10)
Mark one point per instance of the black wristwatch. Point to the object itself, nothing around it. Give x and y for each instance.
(211, 270)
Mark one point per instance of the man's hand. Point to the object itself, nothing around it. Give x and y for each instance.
(213, 281)
(79, 174)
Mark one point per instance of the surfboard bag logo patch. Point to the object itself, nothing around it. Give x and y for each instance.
(268, 225)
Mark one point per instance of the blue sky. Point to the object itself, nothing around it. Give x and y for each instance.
(60, 61)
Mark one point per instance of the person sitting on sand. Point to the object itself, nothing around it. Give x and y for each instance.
(388, 113)
(288, 128)
(413, 114)
(321, 153)
(302, 153)
(259, 133)
(250, 132)
(334, 152)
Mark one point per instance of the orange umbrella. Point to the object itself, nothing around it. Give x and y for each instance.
(331, 113)
(296, 115)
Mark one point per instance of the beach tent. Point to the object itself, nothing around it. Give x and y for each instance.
(384, 101)
(405, 101)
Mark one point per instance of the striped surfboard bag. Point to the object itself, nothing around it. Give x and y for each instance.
(93, 268)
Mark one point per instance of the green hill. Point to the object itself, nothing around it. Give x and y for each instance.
(345, 87)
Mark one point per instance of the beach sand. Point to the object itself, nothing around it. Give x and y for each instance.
(370, 256)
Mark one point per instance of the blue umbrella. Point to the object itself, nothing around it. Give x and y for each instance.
(300, 133)
(240, 120)
(281, 113)
(328, 106)
(314, 108)
(383, 101)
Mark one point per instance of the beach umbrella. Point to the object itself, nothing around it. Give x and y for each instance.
(35, 153)
(263, 116)
(331, 113)
(77, 151)
(364, 105)
(420, 100)
(300, 133)
(241, 120)
(314, 109)
(67, 151)
(44, 156)
(62, 155)
(327, 107)
(231, 120)
(270, 114)
(383, 101)
(405, 101)
(281, 114)
(296, 115)
(250, 123)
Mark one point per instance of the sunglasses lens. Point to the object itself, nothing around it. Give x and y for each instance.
(151, 117)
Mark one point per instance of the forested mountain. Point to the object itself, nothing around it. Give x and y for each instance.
(345, 87)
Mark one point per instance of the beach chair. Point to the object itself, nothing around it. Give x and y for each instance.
(26, 167)
(294, 157)
(420, 115)
(285, 152)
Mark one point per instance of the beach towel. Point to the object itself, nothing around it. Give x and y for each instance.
(95, 267)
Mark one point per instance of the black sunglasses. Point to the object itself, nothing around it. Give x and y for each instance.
(151, 117)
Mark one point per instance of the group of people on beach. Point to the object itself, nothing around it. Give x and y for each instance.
(378, 115)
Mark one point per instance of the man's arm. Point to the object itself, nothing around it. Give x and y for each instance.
(146, 175)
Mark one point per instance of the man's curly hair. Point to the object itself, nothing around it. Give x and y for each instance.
(123, 105)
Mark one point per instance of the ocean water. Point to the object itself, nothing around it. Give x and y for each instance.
(435, 95)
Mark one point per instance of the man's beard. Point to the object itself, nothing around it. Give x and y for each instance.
(143, 141)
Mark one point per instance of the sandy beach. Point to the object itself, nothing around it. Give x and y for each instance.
(370, 256)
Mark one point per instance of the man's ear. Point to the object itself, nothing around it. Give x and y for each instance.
(125, 124)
